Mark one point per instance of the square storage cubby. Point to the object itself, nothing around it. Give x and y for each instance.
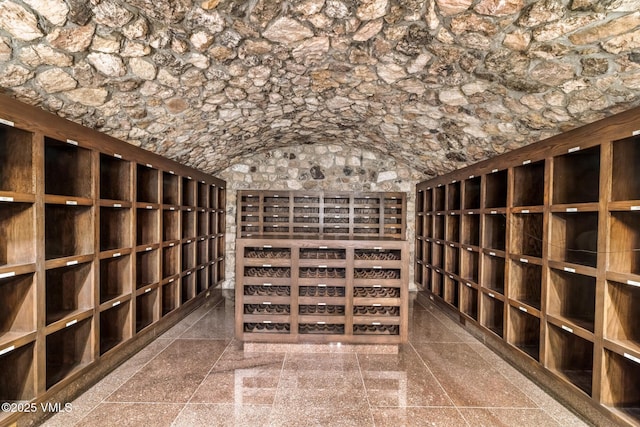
(213, 198)
(525, 285)
(573, 297)
(170, 261)
(146, 309)
(115, 228)
(115, 326)
(453, 196)
(625, 183)
(528, 184)
(374, 254)
(428, 226)
(270, 252)
(16, 158)
(526, 235)
(418, 276)
(147, 184)
(453, 228)
(169, 297)
(420, 226)
(437, 255)
(115, 277)
(188, 192)
(574, 238)
(170, 189)
(438, 221)
(17, 315)
(17, 383)
(495, 231)
(202, 223)
(202, 256)
(17, 234)
(66, 231)
(576, 177)
(620, 385)
(472, 193)
(624, 243)
(202, 280)
(524, 332)
(187, 288)
(571, 357)
(439, 195)
(421, 205)
(115, 178)
(147, 227)
(67, 169)
(213, 226)
(222, 198)
(496, 189)
(67, 350)
(622, 314)
(493, 273)
(469, 301)
(220, 222)
(452, 260)
(147, 268)
(203, 192)
(470, 262)
(437, 283)
(471, 230)
(171, 225)
(451, 289)
(188, 224)
(188, 255)
(493, 315)
(68, 290)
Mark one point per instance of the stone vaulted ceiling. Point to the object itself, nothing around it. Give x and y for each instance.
(437, 84)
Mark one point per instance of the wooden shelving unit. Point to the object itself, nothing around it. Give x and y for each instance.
(94, 235)
(543, 244)
(326, 267)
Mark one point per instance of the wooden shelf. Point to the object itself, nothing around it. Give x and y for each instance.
(438, 227)
(17, 233)
(202, 223)
(495, 226)
(622, 312)
(68, 350)
(469, 301)
(16, 158)
(17, 318)
(572, 358)
(68, 291)
(625, 184)
(524, 331)
(528, 184)
(115, 326)
(67, 169)
(202, 255)
(576, 176)
(188, 192)
(451, 291)
(472, 193)
(439, 194)
(147, 184)
(170, 261)
(147, 268)
(574, 238)
(621, 389)
(171, 225)
(202, 279)
(494, 273)
(147, 226)
(496, 189)
(452, 259)
(527, 234)
(453, 228)
(203, 194)
(170, 300)
(170, 193)
(525, 285)
(115, 277)
(65, 231)
(188, 223)
(115, 178)
(471, 229)
(147, 312)
(115, 228)
(17, 383)
(188, 255)
(572, 297)
(453, 196)
(469, 266)
(492, 315)
(624, 246)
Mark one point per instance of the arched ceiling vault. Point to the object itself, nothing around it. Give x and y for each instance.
(437, 84)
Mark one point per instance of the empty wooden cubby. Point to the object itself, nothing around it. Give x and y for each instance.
(147, 226)
(17, 293)
(525, 284)
(147, 308)
(115, 178)
(69, 291)
(574, 238)
(572, 357)
(528, 184)
(496, 189)
(572, 297)
(115, 228)
(147, 268)
(524, 331)
(67, 169)
(115, 325)
(621, 388)
(527, 234)
(16, 157)
(492, 314)
(170, 189)
(147, 184)
(17, 233)
(576, 176)
(68, 350)
(65, 231)
(622, 312)
(624, 242)
(17, 383)
(115, 277)
(472, 193)
(625, 183)
(493, 272)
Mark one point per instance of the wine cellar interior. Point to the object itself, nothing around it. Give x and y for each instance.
(319, 212)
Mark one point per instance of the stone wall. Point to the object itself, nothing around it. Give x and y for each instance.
(317, 167)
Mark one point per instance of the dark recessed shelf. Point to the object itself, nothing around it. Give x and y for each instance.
(17, 296)
(202, 280)
(147, 230)
(115, 326)
(451, 291)
(622, 313)
(147, 184)
(169, 297)
(624, 249)
(572, 357)
(202, 256)
(188, 224)
(524, 332)
(493, 315)
(170, 189)
(625, 184)
(574, 237)
(469, 301)
(147, 268)
(437, 283)
(202, 223)
(146, 309)
(471, 229)
(472, 193)
(439, 198)
(115, 228)
(453, 196)
(68, 350)
(621, 388)
(188, 255)
(470, 265)
(188, 192)
(171, 225)
(528, 185)
(67, 169)
(115, 178)
(452, 260)
(68, 290)
(526, 235)
(437, 255)
(16, 158)
(188, 288)
(17, 233)
(573, 297)
(170, 261)
(525, 285)
(203, 192)
(576, 177)
(453, 228)
(438, 222)
(496, 189)
(495, 231)
(115, 277)
(493, 273)
(17, 383)
(66, 231)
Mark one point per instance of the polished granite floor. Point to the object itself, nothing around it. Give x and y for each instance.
(196, 374)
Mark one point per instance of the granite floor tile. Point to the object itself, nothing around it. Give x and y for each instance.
(131, 415)
(296, 416)
(225, 415)
(499, 417)
(418, 417)
(427, 328)
(215, 324)
(174, 374)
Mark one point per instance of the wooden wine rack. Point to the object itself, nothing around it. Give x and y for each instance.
(539, 248)
(101, 244)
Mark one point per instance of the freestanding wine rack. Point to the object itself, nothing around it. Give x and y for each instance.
(321, 267)
(540, 248)
(100, 243)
